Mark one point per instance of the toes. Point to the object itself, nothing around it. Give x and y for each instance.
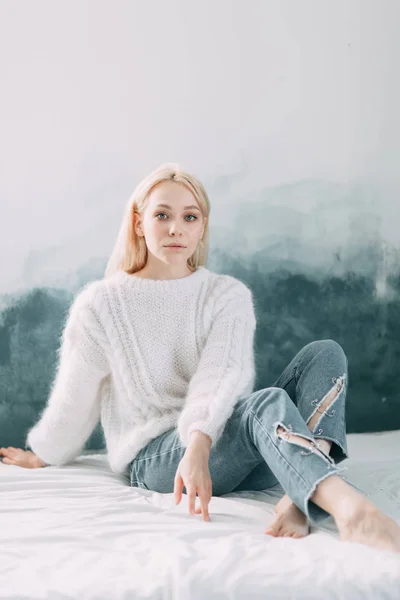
(272, 530)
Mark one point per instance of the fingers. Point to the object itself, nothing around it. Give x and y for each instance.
(204, 496)
(178, 487)
(206, 515)
(5, 451)
(203, 508)
(191, 493)
(7, 456)
(204, 500)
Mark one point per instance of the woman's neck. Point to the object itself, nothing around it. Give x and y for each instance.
(147, 274)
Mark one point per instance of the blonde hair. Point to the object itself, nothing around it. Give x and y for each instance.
(130, 251)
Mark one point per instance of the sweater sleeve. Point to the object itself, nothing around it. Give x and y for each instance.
(226, 369)
(73, 407)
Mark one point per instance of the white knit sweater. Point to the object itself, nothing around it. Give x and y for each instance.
(145, 356)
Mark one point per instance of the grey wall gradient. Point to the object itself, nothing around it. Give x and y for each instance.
(287, 111)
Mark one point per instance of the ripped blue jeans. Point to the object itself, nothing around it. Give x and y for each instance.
(255, 451)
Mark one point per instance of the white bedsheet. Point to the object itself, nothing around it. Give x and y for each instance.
(82, 532)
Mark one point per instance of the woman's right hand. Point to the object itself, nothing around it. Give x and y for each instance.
(21, 458)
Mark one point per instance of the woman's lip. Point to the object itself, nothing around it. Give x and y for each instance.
(174, 246)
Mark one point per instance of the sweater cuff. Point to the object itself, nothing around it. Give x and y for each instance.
(196, 420)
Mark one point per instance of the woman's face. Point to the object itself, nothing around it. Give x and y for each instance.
(181, 223)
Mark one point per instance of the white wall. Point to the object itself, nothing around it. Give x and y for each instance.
(248, 95)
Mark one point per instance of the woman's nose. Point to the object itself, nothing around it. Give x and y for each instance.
(174, 228)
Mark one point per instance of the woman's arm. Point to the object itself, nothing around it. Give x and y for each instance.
(226, 368)
(73, 407)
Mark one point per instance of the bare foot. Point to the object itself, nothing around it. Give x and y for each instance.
(366, 524)
(20, 458)
(290, 522)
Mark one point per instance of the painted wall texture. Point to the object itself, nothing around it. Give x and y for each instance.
(287, 112)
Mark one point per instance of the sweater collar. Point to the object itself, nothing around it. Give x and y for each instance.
(181, 283)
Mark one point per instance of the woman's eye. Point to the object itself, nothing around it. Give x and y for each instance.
(194, 216)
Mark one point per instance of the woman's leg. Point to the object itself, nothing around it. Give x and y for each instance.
(267, 433)
(250, 438)
(319, 360)
(317, 381)
(294, 377)
(316, 378)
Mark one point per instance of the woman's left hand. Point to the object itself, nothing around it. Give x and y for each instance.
(194, 474)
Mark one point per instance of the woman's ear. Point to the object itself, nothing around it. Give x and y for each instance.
(136, 224)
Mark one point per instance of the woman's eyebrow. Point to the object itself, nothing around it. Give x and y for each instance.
(185, 207)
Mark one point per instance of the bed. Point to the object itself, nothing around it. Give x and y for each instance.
(82, 532)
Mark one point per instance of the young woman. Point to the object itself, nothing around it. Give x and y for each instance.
(161, 350)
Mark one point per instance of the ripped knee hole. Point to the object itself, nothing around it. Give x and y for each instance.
(303, 441)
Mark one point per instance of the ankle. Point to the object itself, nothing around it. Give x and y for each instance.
(352, 508)
(284, 503)
(338, 498)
